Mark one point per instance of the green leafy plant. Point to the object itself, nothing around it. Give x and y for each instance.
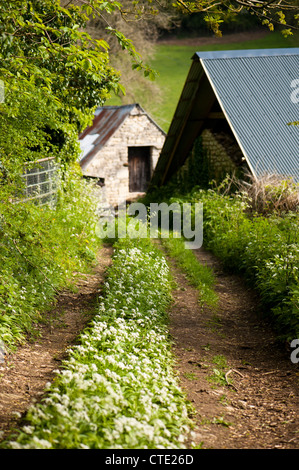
(222, 421)
(218, 375)
(40, 249)
(270, 14)
(263, 249)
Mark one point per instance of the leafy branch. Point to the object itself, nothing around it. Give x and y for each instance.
(269, 11)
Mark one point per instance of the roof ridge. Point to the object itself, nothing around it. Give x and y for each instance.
(231, 54)
(118, 106)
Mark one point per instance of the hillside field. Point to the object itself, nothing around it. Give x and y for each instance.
(172, 60)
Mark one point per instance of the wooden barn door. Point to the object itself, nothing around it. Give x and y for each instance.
(139, 168)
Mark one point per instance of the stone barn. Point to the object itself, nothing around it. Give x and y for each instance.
(120, 150)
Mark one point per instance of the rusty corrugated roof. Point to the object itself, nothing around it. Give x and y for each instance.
(106, 121)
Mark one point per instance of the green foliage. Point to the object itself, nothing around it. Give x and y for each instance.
(118, 388)
(219, 375)
(40, 248)
(54, 75)
(195, 24)
(264, 249)
(272, 13)
(199, 168)
(196, 171)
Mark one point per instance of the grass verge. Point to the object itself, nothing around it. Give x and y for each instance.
(199, 275)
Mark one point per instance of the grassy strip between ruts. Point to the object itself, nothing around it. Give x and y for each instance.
(118, 388)
(199, 275)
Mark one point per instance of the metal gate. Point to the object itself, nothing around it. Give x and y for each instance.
(41, 181)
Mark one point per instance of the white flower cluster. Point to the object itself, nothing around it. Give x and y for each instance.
(118, 388)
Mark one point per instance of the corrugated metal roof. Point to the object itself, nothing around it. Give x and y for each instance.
(106, 121)
(255, 95)
(247, 53)
(253, 88)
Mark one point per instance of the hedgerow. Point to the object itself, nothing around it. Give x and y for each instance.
(40, 248)
(264, 249)
(118, 388)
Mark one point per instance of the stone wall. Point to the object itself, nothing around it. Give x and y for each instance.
(111, 162)
(220, 162)
(218, 156)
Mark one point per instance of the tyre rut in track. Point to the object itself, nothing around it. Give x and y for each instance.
(256, 405)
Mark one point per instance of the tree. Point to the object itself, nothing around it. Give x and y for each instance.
(270, 12)
(54, 74)
(142, 24)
